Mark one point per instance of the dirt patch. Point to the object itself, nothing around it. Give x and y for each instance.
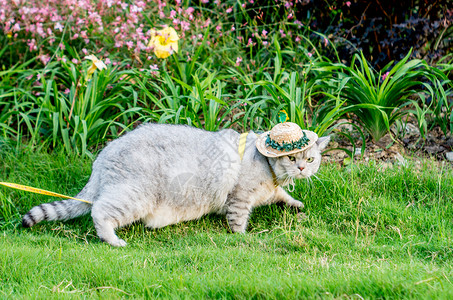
(404, 141)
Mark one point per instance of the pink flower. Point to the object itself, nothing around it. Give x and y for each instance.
(218, 28)
(74, 61)
(58, 26)
(229, 10)
(44, 58)
(282, 33)
(348, 3)
(238, 61)
(299, 23)
(386, 74)
(85, 51)
(309, 54)
(32, 44)
(264, 32)
(66, 91)
(185, 26)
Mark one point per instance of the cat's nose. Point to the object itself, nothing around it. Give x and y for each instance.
(301, 168)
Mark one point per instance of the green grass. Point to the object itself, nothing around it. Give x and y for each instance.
(367, 232)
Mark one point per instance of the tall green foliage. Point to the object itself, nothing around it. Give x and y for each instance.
(65, 105)
(378, 99)
(295, 92)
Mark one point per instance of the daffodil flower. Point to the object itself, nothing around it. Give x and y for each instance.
(164, 42)
(96, 64)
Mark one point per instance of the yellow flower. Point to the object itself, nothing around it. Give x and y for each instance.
(97, 64)
(164, 42)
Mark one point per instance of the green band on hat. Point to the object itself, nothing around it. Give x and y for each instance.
(288, 146)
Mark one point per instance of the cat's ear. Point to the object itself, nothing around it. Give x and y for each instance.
(322, 142)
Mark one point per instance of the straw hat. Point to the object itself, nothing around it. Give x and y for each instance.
(285, 139)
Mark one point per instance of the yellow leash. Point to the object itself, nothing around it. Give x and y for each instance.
(242, 142)
(39, 191)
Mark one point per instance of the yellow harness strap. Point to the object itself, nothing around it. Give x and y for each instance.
(242, 142)
(39, 191)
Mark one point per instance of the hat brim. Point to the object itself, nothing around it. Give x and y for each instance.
(271, 152)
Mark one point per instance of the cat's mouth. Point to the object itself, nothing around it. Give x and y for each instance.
(301, 176)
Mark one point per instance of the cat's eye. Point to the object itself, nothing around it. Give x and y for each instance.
(310, 159)
(292, 158)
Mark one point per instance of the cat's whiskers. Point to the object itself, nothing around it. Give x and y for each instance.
(283, 176)
(320, 181)
(319, 176)
(288, 181)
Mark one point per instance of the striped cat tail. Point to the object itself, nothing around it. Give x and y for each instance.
(58, 210)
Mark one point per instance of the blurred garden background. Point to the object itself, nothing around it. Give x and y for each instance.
(375, 64)
(375, 75)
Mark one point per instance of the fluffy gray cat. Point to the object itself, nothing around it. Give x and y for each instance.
(165, 174)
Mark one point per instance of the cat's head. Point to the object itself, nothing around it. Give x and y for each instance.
(299, 165)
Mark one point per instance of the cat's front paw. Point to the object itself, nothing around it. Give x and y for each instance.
(119, 243)
(296, 203)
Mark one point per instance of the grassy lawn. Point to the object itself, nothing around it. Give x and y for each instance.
(365, 233)
(76, 74)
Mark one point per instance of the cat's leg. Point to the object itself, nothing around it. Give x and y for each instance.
(282, 196)
(238, 213)
(105, 223)
(110, 212)
(106, 232)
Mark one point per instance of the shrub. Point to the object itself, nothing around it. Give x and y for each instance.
(378, 99)
(384, 30)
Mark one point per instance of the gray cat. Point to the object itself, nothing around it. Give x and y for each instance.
(165, 174)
